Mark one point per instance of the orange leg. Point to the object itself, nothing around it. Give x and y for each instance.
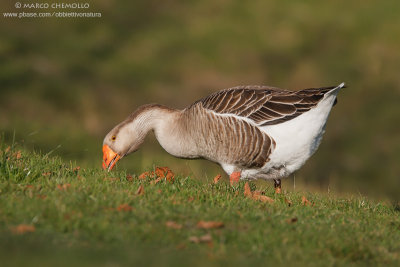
(278, 186)
(234, 178)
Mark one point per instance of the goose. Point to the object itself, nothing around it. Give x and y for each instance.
(252, 132)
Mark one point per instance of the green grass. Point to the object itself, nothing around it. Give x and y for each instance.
(82, 225)
(64, 83)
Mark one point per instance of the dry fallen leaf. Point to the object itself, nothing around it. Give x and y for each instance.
(202, 239)
(217, 178)
(124, 207)
(76, 169)
(305, 201)
(165, 172)
(209, 224)
(287, 201)
(170, 176)
(140, 190)
(263, 198)
(129, 178)
(63, 187)
(173, 225)
(247, 190)
(205, 238)
(161, 171)
(46, 173)
(292, 220)
(18, 155)
(143, 175)
(278, 190)
(23, 228)
(257, 195)
(156, 180)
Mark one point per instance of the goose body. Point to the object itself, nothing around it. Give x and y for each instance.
(258, 131)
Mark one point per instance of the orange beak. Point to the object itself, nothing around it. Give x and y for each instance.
(109, 158)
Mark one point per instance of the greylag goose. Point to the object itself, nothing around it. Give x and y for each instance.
(253, 132)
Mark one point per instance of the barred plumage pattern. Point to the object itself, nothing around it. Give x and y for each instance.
(226, 125)
(263, 104)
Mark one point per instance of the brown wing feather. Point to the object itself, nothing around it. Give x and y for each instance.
(263, 104)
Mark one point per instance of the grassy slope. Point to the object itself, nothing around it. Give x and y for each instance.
(81, 224)
(64, 83)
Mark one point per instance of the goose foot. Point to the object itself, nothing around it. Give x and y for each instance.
(234, 178)
(278, 186)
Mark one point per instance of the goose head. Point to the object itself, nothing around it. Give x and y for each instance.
(119, 142)
(127, 136)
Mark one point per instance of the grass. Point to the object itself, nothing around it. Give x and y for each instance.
(91, 217)
(67, 82)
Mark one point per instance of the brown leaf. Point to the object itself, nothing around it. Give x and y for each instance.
(124, 207)
(292, 220)
(209, 224)
(263, 198)
(305, 201)
(129, 178)
(18, 155)
(287, 201)
(257, 195)
(217, 178)
(170, 176)
(76, 169)
(247, 190)
(143, 175)
(140, 190)
(63, 187)
(46, 173)
(173, 225)
(156, 180)
(7, 149)
(23, 228)
(161, 171)
(278, 190)
(202, 239)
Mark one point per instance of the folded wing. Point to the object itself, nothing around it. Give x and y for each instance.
(262, 104)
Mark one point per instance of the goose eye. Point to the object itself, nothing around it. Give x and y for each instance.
(113, 138)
